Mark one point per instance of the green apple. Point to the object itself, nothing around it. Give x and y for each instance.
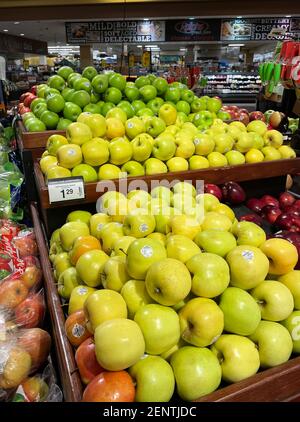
(163, 276)
(172, 94)
(138, 105)
(89, 72)
(133, 168)
(69, 155)
(64, 72)
(155, 126)
(95, 152)
(292, 281)
(56, 82)
(248, 233)
(127, 107)
(235, 158)
(155, 166)
(181, 248)
(197, 162)
(135, 295)
(142, 81)
(148, 92)
(92, 108)
(138, 224)
(141, 254)
(72, 78)
(210, 274)
(55, 103)
(145, 114)
(274, 343)
(95, 99)
(271, 153)
(155, 104)
(80, 98)
(248, 266)
(134, 127)
(70, 231)
(274, 299)
(223, 115)
(71, 111)
(238, 357)
(63, 124)
(100, 83)
(199, 104)
(160, 327)
(218, 242)
(61, 263)
(187, 95)
(67, 281)
(241, 312)
(154, 379)
(161, 85)
(106, 107)
(97, 221)
(82, 84)
(131, 91)
(292, 324)
(54, 142)
(50, 119)
(197, 372)
(67, 91)
(113, 95)
(183, 106)
(257, 126)
(214, 104)
(168, 114)
(216, 159)
(142, 147)
(88, 173)
(164, 148)
(203, 119)
(117, 80)
(119, 344)
(103, 305)
(78, 297)
(120, 151)
(117, 113)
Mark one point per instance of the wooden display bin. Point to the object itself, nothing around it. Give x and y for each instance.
(281, 383)
(256, 178)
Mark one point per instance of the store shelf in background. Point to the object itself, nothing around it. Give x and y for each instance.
(71, 383)
(217, 175)
(281, 383)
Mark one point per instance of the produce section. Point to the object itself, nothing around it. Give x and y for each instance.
(163, 262)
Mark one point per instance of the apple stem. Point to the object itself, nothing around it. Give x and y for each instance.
(122, 250)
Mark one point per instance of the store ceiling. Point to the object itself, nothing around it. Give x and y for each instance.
(30, 3)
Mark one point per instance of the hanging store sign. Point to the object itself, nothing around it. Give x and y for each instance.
(193, 30)
(115, 32)
(12, 44)
(260, 29)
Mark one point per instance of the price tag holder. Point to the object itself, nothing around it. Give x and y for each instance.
(66, 189)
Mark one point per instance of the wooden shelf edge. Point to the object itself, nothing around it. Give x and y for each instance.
(32, 140)
(71, 383)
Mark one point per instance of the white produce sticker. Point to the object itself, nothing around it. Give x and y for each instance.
(147, 251)
(248, 255)
(143, 227)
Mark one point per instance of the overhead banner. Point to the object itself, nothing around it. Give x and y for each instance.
(115, 32)
(260, 29)
(193, 30)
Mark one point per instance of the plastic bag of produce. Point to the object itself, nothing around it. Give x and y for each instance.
(11, 180)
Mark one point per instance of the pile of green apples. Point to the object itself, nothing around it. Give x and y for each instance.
(103, 148)
(177, 292)
(67, 94)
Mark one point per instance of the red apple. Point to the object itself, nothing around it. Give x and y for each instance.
(269, 200)
(257, 115)
(254, 204)
(35, 389)
(270, 213)
(37, 343)
(28, 100)
(25, 244)
(213, 190)
(244, 118)
(286, 199)
(24, 95)
(244, 110)
(253, 218)
(296, 204)
(12, 293)
(233, 193)
(75, 327)
(24, 110)
(110, 387)
(30, 313)
(289, 222)
(275, 119)
(86, 360)
(32, 276)
(33, 89)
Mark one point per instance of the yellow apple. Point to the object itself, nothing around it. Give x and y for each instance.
(282, 255)
(254, 156)
(90, 265)
(214, 220)
(47, 162)
(78, 297)
(181, 248)
(135, 295)
(184, 225)
(177, 164)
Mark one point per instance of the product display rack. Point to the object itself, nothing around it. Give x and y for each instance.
(232, 83)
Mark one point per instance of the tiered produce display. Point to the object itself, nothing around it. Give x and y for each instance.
(161, 299)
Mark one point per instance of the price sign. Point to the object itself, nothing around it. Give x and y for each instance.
(66, 189)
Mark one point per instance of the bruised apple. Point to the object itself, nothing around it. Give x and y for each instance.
(12, 293)
(76, 329)
(86, 360)
(37, 343)
(30, 313)
(110, 387)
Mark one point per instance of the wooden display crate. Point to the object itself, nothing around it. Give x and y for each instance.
(256, 178)
(281, 383)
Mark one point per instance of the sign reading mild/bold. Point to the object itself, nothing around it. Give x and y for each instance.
(115, 32)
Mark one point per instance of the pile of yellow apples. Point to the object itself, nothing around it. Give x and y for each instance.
(103, 148)
(175, 292)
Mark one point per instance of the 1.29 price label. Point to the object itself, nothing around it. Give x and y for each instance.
(68, 189)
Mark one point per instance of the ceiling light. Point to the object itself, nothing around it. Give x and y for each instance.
(239, 17)
(16, 23)
(22, 35)
(288, 16)
(151, 46)
(139, 46)
(145, 19)
(236, 45)
(191, 19)
(5, 30)
(182, 49)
